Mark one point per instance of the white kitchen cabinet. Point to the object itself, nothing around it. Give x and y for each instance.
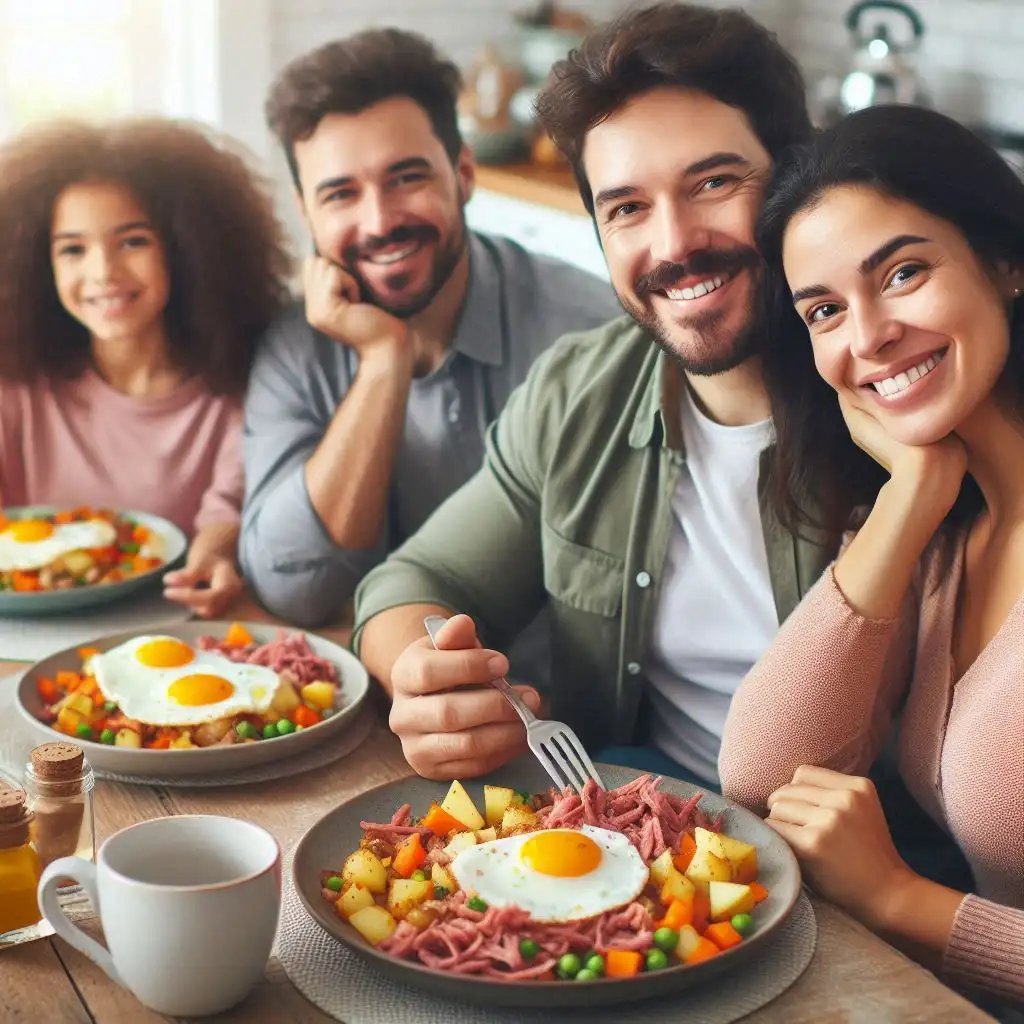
(539, 228)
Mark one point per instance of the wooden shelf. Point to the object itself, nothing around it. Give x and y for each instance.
(553, 187)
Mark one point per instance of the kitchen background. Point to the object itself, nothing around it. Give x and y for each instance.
(213, 60)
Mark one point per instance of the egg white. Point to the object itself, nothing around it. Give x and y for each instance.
(66, 537)
(141, 692)
(496, 872)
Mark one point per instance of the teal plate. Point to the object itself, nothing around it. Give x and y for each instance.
(56, 602)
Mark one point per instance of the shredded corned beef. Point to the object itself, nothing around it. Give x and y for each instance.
(290, 653)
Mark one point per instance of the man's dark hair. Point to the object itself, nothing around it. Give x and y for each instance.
(723, 53)
(349, 75)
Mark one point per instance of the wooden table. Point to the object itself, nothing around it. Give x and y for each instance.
(854, 977)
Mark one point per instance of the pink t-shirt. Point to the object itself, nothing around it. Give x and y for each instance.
(81, 442)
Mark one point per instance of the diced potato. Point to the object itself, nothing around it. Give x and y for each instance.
(78, 563)
(689, 940)
(183, 742)
(486, 835)
(406, 893)
(354, 898)
(742, 857)
(440, 875)
(209, 733)
(84, 705)
(459, 842)
(127, 738)
(286, 700)
(319, 695)
(375, 924)
(496, 800)
(517, 816)
(460, 806)
(363, 868)
(728, 898)
(706, 868)
(68, 719)
(676, 887)
(660, 868)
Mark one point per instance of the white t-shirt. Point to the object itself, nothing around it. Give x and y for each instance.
(716, 612)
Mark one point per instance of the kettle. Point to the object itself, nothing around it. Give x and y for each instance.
(880, 72)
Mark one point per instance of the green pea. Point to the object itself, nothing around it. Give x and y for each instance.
(270, 730)
(528, 949)
(656, 960)
(334, 883)
(522, 796)
(419, 876)
(83, 731)
(285, 727)
(666, 939)
(110, 706)
(587, 975)
(126, 567)
(107, 736)
(594, 963)
(440, 892)
(743, 923)
(475, 903)
(246, 731)
(569, 965)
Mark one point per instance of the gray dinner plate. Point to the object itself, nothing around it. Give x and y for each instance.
(56, 602)
(204, 761)
(329, 841)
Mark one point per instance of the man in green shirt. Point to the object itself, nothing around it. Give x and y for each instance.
(623, 485)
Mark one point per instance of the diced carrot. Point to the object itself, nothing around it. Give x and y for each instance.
(305, 716)
(687, 848)
(69, 680)
(409, 855)
(705, 950)
(140, 534)
(701, 910)
(758, 891)
(63, 517)
(4, 521)
(48, 690)
(622, 963)
(160, 743)
(85, 653)
(723, 935)
(440, 822)
(680, 912)
(238, 636)
(26, 582)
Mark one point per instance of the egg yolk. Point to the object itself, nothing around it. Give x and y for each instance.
(564, 854)
(194, 691)
(164, 653)
(27, 531)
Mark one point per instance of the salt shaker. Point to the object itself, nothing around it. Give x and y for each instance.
(59, 784)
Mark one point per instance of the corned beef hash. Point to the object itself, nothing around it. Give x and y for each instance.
(159, 693)
(607, 883)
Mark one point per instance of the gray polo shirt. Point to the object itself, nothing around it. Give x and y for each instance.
(516, 305)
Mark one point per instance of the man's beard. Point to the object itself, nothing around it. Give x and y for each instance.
(715, 348)
(447, 254)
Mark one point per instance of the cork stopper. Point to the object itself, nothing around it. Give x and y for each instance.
(14, 819)
(57, 762)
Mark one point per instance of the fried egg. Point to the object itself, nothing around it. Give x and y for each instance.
(35, 543)
(556, 874)
(160, 680)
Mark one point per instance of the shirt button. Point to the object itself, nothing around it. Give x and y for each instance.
(633, 668)
(643, 580)
(453, 414)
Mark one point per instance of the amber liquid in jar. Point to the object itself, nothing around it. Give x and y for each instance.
(21, 920)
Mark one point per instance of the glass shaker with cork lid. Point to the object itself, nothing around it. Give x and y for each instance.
(59, 784)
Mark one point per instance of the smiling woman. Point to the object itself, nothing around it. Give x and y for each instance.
(895, 252)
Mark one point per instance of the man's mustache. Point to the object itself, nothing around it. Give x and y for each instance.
(703, 263)
(373, 244)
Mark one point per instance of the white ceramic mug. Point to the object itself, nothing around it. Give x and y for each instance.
(189, 907)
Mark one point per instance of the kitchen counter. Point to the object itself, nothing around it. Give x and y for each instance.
(545, 186)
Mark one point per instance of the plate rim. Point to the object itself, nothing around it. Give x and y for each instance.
(198, 753)
(481, 985)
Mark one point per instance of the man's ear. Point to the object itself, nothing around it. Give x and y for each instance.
(465, 172)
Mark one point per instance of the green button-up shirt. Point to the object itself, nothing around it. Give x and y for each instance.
(572, 509)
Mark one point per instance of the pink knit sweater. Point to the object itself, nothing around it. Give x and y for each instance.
(826, 693)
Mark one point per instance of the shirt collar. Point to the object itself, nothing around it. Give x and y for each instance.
(658, 408)
(480, 332)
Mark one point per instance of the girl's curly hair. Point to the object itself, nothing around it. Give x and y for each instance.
(225, 249)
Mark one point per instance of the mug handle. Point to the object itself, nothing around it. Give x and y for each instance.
(84, 872)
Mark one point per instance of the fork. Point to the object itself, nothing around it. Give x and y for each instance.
(554, 744)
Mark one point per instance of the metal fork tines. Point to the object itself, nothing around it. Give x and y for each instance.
(554, 744)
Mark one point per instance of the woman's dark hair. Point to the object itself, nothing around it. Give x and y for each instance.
(225, 251)
(819, 476)
(348, 75)
(725, 54)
